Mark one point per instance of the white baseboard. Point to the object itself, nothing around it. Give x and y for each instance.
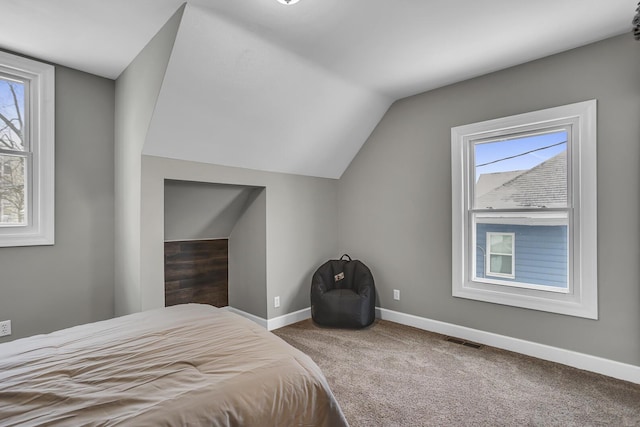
(611, 368)
(259, 320)
(288, 319)
(276, 322)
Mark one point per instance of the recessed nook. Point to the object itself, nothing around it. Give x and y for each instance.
(215, 245)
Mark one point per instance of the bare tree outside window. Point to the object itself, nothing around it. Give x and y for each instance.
(12, 152)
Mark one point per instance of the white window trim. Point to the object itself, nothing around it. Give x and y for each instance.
(487, 266)
(582, 298)
(41, 179)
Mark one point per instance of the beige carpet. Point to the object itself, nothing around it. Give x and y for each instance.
(395, 375)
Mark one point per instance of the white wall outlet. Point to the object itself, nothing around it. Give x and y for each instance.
(276, 302)
(396, 294)
(5, 328)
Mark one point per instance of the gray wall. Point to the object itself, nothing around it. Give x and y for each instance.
(248, 257)
(301, 222)
(45, 288)
(200, 210)
(301, 229)
(137, 90)
(395, 198)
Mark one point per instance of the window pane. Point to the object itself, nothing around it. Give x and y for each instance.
(539, 246)
(525, 172)
(12, 119)
(501, 244)
(500, 264)
(12, 190)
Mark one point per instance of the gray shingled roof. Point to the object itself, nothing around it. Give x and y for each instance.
(543, 185)
(490, 181)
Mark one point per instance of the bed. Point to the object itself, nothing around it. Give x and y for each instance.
(186, 365)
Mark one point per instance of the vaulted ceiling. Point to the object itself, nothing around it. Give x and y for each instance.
(299, 88)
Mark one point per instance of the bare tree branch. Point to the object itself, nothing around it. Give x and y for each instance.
(16, 105)
(12, 189)
(6, 141)
(11, 125)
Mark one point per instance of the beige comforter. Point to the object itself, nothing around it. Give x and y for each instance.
(187, 365)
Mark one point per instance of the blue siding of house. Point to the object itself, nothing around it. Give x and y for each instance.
(540, 253)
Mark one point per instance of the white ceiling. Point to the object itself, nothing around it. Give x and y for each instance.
(242, 101)
(313, 78)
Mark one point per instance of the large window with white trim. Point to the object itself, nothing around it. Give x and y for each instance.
(26, 152)
(524, 210)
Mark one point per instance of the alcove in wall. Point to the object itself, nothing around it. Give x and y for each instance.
(215, 245)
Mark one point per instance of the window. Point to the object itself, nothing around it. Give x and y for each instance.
(26, 152)
(524, 210)
(500, 256)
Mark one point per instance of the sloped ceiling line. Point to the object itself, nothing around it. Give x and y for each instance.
(298, 89)
(230, 97)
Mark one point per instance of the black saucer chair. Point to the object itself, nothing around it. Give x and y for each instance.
(343, 294)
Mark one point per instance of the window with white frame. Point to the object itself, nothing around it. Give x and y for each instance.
(500, 257)
(524, 210)
(26, 152)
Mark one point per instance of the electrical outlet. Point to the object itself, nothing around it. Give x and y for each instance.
(396, 294)
(5, 328)
(276, 302)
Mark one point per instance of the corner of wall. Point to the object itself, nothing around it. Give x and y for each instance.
(137, 90)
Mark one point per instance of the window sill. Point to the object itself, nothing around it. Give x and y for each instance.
(553, 302)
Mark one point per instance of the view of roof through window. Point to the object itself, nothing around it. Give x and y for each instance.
(523, 172)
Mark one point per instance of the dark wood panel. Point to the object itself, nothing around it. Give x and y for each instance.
(196, 271)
